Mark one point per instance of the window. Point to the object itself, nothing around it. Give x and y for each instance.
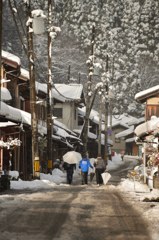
(58, 112)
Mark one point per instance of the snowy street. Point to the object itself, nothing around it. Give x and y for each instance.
(64, 212)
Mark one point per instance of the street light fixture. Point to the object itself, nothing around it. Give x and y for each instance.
(5, 80)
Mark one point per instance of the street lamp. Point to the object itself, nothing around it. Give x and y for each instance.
(5, 80)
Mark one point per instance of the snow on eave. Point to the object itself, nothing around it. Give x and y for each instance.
(7, 124)
(92, 135)
(147, 127)
(143, 94)
(5, 94)
(94, 115)
(15, 114)
(109, 142)
(21, 116)
(130, 140)
(63, 126)
(11, 57)
(125, 133)
(24, 74)
(67, 92)
(41, 87)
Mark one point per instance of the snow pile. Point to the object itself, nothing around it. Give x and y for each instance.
(46, 181)
(115, 162)
(130, 186)
(151, 196)
(14, 174)
(57, 177)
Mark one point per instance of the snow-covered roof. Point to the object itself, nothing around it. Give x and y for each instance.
(120, 120)
(5, 94)
(63, 92)
(94, 136)
(90, 134)
(135, 121)
(15, 114)
(110, 142)
(125, 132)
(11, 57)
(7, 124)
(147, 127)
(24, 73)
(23, 117)
(94, 115)
(123, 120)
(143, 95)
(63, 126)
(67, 92)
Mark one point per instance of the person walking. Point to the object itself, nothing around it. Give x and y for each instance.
(70, 170)
(122, 154)
(84, 165)
(100, 166)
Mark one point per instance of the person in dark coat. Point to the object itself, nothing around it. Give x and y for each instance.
(70, 170)
(101, 167)
(84, 165)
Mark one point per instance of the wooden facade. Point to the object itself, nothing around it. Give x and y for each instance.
(152, 108)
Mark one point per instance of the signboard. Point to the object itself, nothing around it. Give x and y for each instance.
(109, 132)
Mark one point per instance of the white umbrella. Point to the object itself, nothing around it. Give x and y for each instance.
(106, 176)
(72, 157)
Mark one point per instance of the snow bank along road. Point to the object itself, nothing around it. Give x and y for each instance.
(71, 213)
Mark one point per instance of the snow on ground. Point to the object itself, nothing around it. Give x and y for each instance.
(57, 177)
(137, 193)
(140, 197)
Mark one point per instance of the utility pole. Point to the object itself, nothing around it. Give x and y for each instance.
(34, 123)
(49, 94)
(106, 117)
(90, 108)
(86, 121)
(111, 100)
(79, 77)
(1, 2)
(68, 80)
(100, 123)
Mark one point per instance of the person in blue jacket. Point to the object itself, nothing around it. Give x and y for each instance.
(84, 165)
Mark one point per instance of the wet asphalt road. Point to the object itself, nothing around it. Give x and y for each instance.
(73, 212)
